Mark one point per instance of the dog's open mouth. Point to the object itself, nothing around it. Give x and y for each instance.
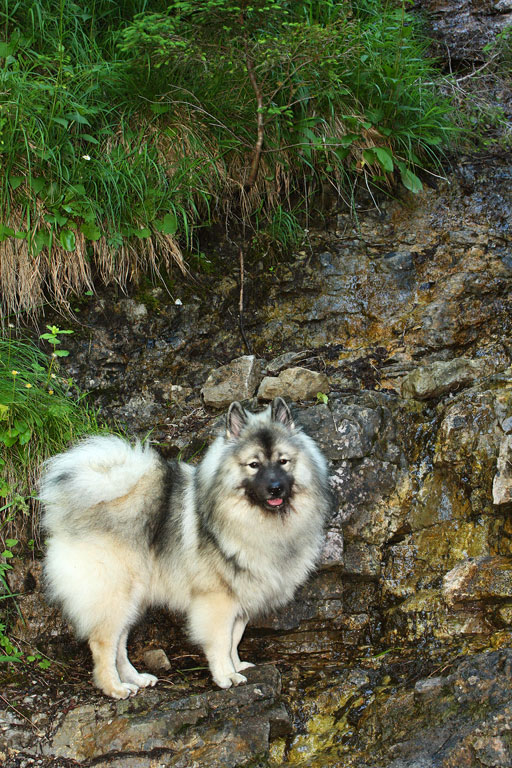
(275, 502)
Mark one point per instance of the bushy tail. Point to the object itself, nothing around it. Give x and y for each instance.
(100, 469)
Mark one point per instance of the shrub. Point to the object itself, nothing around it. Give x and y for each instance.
(127, 126)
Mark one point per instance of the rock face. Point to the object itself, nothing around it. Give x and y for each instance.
(466, 26)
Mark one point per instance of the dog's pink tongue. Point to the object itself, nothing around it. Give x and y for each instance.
(275, 502)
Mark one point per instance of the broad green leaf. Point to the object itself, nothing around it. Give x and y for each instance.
(89, 138)
(78, 118)
(410, 180)
(5, 232)
(160, 109)
(37, 183)
(142, 233)
(369, 156)
(61, 121)
(67, 239)
(25, 436)
(56, 218)
(385, 158)
(15, 181)
(168, 225)
(90, 231)
(39, 241)
(6, 49)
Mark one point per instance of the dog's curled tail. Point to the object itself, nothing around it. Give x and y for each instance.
(99, 469)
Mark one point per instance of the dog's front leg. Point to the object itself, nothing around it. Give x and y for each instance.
(212, 618)
(238, 631)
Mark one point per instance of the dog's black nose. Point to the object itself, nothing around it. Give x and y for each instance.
(275, 489)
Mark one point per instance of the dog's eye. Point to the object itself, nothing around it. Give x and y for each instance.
(283, 461)
(254, 464)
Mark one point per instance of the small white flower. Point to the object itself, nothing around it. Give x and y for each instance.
(178, 303)
(86, 157)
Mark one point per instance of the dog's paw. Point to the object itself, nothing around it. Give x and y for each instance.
(244, 665)
(228, 680)
(145, 680)
(129, 675)
(121, 691)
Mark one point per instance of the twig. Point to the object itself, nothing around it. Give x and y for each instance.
(241, 303)
(260, 122)
(33, 725)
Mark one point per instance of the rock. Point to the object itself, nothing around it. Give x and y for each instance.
(296, 383)
(461, 720)
(209, 729)
(235, 381)
(484, 578)
(332, 552)
(502, 483)
(284, 361)
(156, 660)
(439, 378)
(134, 311)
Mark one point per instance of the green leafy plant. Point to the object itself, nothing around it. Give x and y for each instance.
(40, 413)
(126, 127)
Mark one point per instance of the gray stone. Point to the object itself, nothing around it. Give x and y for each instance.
(156, 659)
(502, 483)
(134, 310)
(235, 381)
(439, 378)
(296, 383)
(209, 729)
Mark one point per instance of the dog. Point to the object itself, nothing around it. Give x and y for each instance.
(222, 542)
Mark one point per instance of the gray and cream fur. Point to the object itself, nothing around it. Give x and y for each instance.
(221, 542)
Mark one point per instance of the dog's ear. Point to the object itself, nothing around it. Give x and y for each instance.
(235, 421)
(281, 413)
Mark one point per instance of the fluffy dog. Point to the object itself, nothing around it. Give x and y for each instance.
(221, 542)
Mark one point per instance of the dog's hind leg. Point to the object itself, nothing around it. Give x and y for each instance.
(126, 670)
(212, 619)
(238, 631)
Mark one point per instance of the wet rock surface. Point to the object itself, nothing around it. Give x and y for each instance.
(466, 26)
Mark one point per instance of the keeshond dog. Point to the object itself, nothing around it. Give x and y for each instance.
(222, 542)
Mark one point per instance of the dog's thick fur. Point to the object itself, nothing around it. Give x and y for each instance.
(221, 542)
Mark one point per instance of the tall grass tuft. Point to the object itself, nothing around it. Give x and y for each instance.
(40, 414)
(124, 127)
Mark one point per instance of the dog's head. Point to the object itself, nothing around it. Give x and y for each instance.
(265, 454)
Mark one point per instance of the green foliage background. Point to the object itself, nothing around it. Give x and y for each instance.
(126, 126)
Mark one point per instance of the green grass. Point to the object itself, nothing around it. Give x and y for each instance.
(126, 127)
(40, 414)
